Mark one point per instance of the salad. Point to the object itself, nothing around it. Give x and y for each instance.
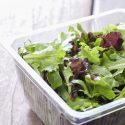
(86, 69)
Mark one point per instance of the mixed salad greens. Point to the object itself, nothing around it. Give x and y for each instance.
(86, 69)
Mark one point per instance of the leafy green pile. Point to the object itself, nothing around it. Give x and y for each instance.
(86, 69)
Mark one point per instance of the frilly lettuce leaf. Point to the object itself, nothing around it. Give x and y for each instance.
(121, 95)
(101, 87)
(91, 53)
(81, 104)
(48, 58)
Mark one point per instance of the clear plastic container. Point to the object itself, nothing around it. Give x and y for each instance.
(51, 109)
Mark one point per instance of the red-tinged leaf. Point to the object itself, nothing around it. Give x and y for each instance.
(113, 39)
(79, 67)
(75, 48)
(91, 37)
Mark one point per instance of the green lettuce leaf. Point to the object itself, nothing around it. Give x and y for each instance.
(101, 87)
(120, 78)
(98, 41)
(67, 73)
(118, 64)
(91, 54)
(32, 47)
(81, 104)
(62, 91)
(54, 79)
(85, 88)
(79, 27)
(48, 59)
(121, 95)
(100, 71)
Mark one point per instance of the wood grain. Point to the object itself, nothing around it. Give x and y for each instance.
(14, 109)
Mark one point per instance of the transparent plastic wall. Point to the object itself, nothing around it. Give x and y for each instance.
(112, 18)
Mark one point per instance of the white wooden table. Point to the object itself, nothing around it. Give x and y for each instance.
(14, 109)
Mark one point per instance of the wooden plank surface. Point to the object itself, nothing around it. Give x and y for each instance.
(14, 109)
